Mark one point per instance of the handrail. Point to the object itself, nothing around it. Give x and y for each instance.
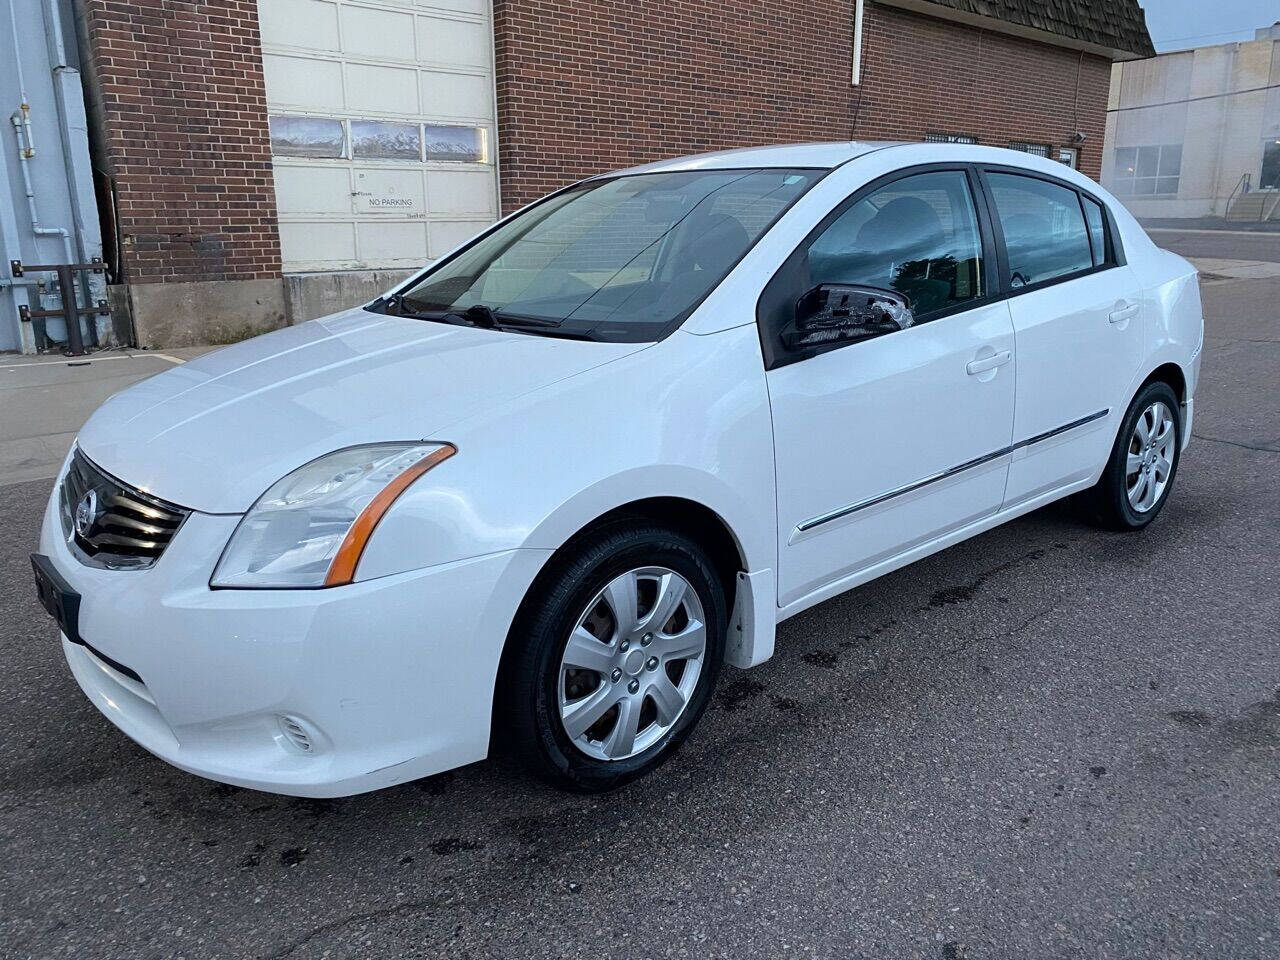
(1272, 212)
(1242, 183)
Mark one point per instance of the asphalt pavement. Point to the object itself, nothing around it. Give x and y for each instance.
(46, 399)
(1228, 244)
(1049, 741)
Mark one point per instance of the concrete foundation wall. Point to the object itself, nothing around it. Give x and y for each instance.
(164, 315)
(311, 295)
(201, 312)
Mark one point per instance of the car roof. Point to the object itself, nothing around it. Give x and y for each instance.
(827, 156)
(815, 155)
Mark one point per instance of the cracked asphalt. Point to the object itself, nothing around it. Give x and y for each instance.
(1047, 742)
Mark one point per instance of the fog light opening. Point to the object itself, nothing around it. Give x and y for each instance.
(295, 734)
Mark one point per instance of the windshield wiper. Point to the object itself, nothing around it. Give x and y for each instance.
(477, 315)
(483, 315)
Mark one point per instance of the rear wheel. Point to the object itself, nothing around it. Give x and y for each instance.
(614, 658)
(1144, 461)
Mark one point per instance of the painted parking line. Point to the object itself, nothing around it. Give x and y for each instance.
(87, 361)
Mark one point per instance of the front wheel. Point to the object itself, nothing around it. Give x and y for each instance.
(1144, 461)
(614, 658)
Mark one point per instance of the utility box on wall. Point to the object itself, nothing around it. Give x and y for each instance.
(48, 214)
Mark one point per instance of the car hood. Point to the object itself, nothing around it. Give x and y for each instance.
(213, 434)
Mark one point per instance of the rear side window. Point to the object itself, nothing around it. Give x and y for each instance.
(1044, 230)
(917, 236)
(1097, 232)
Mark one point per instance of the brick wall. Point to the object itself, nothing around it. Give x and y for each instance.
(586, 86)
(922, 75)
(591, 85)
(179, 92)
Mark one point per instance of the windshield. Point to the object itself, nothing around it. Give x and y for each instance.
(621, 259)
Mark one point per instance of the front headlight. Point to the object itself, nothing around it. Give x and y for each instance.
(310, 528)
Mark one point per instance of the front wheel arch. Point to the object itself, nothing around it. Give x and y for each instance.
(680, 515)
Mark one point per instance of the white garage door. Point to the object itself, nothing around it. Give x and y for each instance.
(382, 128)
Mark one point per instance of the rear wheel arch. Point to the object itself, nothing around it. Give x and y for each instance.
(1169, 373)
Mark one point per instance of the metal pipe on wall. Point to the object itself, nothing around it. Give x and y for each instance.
(25, 106)
(38, 230)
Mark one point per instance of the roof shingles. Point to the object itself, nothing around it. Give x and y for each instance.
(1115, 24)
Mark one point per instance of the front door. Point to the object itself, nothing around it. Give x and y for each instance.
(888, 442)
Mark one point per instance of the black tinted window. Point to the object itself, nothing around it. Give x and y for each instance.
(917, 236)
(1097, 231)
(1044, 230)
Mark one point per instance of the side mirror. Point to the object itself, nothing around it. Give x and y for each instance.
(837, 312)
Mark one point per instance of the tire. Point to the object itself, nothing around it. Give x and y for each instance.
(542, 694)
(1127, 501)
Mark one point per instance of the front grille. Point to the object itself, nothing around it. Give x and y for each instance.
(111, 523)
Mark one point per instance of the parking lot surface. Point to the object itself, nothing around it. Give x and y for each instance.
(1050, 741)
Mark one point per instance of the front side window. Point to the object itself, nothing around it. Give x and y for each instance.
(623, 259)
(1044, 230)
(918, 237)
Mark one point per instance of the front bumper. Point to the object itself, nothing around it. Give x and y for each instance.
(389, 679)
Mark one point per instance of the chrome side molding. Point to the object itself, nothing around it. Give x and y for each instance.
(810, 524)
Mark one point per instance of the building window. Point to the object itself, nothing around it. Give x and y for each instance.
(1035, 149)
(455, 143)
(949, 138)
(384, 140)
(1147, 171)
(307, 137)
(1270, 179)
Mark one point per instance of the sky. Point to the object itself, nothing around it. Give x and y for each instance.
(1181, 24)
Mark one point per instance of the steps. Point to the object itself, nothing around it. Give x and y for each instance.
(1255, 206)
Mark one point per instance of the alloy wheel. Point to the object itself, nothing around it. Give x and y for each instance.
(631, 663)
(1152, 448)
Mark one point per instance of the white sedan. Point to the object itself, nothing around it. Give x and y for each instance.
(534, 498)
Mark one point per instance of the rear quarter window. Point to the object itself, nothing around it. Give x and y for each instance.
(1097, 230)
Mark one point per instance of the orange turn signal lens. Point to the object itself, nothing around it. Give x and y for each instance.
(343, 568)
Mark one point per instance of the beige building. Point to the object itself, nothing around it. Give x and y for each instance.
(1197, 133)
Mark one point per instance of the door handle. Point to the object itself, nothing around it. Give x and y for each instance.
(974, 367)
(1120, 314)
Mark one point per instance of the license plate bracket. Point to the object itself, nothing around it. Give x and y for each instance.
(56, 596)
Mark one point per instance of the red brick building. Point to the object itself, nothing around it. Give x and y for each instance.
(266, 162)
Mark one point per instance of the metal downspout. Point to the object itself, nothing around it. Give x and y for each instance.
(60, 67)
(63, 75)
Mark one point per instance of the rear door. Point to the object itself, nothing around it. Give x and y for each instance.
(891, 441)
(1076, 310)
